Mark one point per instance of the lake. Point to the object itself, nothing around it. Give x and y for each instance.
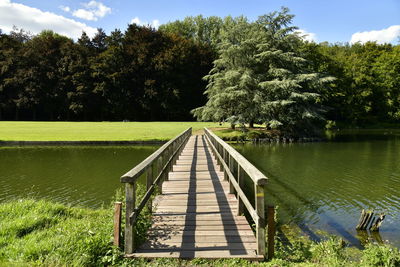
(321, 185)
(84, 175)
(325, 185)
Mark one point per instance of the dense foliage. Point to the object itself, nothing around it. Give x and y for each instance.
(255, 72)
(260, 77)
(142, 74)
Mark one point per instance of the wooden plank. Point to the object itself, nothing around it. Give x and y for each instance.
(198, 254)
(196, 216)
(173, 246)
(223, 233)
(211, 228)
(206, 239)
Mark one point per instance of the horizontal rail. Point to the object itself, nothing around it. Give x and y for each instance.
(150, 191)
(156, 165)
(229, 159)
(139, 169)
(235, 184)
(258, 177)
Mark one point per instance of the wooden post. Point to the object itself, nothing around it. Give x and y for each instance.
(130, 195)
(260, 225)
(149, 183)
(117, 223)
(240, 179)
(231, 169)
(271, 231)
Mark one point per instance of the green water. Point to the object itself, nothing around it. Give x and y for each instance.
(325, 185)
(315, 185)
(77, 175)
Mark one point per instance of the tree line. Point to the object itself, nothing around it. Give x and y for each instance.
(221, 69)
(140, 74)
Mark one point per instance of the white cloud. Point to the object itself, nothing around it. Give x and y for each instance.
(307, 36)
(93, 11)
(388, 35)
(65, 8)
(35, 20)
(84, 14)
(155, 23)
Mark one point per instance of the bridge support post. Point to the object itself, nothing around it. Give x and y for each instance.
(260, 224)
(130, 195)
(271, 231)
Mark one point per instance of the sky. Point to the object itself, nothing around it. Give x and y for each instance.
(323, 20)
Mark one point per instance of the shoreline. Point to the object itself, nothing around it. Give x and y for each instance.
(78, 143)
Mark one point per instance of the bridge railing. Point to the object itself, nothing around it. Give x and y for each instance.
(156, 167)
(235, 166)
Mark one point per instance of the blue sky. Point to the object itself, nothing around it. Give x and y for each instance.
(332, 21)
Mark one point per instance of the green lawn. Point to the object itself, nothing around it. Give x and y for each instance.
(95, 131)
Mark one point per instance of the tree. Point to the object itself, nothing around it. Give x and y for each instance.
(259, 77)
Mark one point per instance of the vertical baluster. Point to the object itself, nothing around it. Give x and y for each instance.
(226, 156)
(240, 180)
(231, 169)
(149, 183)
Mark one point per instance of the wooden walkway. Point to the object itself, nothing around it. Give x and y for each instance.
(195, 216)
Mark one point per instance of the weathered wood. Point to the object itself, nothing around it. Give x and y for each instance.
(176, 246)
(130, 199)
(257, 176)
(375, 226)
(196, 216)
(249, 255)
(149, 183)
(271, 231)
(117, 223)
(240, 180)
(260, 223)
(134, 173)
(358, 227)
(239, 191)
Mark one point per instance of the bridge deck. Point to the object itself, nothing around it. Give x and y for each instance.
(195, 216)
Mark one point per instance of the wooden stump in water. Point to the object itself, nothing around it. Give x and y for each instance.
(368, 221)
(375, 226)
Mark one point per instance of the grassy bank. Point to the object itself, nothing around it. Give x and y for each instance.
(95, 131)
(39, 232)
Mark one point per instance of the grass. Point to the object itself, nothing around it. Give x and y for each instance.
(96, 131)
(40, 232)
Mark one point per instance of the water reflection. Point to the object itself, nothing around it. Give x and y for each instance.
(325, 185)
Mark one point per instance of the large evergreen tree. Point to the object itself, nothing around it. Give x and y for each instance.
(259, 77)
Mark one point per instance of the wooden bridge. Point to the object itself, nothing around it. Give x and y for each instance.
(200, 210)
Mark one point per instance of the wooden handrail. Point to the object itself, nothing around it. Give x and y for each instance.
(139, 169)
(229, 160)
(155, 166)
(257, 176)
